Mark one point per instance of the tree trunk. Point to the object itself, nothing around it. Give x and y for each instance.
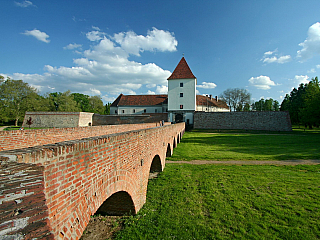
(16, 122)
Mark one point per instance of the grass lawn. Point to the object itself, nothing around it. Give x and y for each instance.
(252, 145)
(229, 202)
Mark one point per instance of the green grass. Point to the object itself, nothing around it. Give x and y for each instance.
(248, 145)
(229, 202)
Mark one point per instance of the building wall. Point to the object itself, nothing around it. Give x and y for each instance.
(270, 121)
(29, 138)
(50, 191)
(125, 110)
(201, 108)
(189, 94)
(58, 119)
(129, 119)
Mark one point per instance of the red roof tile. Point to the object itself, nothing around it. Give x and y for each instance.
(182, 71)
(207, 101)
(152, 100)
(140, 100)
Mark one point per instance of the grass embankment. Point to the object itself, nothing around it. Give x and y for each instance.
(229, 202)
(253, 145)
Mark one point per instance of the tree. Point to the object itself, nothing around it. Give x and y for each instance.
(107, 111)
(236, 98)
(82, 101)
(96, 105)
(16, 97)
(63, 102)
(266, 105)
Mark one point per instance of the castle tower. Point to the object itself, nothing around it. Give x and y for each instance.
(182, 93)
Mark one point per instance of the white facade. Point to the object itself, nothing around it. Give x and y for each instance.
(202, 108)
(182, 94)
(125, 110)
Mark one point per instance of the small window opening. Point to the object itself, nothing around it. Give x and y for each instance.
(181, 84)
(181, 106)
(181, 94)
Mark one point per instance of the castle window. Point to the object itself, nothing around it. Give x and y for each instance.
(145, 110)
(134, 111)
(156, 110)
(181, 84)
(181, 106)
(122, 111)
(115, 111)
(181, 94)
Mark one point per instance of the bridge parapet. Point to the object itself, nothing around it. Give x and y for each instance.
(51, 191)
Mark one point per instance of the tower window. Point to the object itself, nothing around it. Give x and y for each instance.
(181, 84)
(181, 106)
(181, 94)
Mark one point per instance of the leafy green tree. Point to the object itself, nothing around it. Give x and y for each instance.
(266, 105)
(96, 105)
(107, 111)
(16, 97)
(63, 102)
(236, 98)
(82, 101)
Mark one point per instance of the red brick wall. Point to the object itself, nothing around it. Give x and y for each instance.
(77, 176)
(29, 138)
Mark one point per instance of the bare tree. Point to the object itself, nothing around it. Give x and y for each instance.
(236, 98)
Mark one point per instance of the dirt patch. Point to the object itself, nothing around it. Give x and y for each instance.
(102, 227)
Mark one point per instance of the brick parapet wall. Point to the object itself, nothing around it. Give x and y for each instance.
(28, 138)
(270, 121)
(78, 176)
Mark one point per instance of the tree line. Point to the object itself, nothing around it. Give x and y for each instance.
(303, 104)
(18, 97)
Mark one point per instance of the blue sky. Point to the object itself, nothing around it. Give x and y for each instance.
(106, 47)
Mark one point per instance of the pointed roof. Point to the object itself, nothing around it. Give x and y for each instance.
(182, 71)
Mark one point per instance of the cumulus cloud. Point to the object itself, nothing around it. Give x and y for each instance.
(162, 89)
(95, 35)
(207, 85)
(24, 4)
(41, 36)
(261, 82)
(150, 92)
(272, 57)
(298, 79)
(156, 40)
(311, 45)
(105, 69)
(72, 46)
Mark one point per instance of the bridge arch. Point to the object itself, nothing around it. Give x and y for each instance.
(169, 151)
(156, 165)
(178, 138)
(118, 204)
(174, 143)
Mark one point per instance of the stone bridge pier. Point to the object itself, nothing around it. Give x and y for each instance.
(50, 191)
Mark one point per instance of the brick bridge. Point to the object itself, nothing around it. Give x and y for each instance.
(53, 180)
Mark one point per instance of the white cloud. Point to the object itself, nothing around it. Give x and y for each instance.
(162, 89)
(318, 66)
(207, 85)
(103, 69)
(261, 82)
(298, 79)
(42, 36)
(150, 93)
(72, 46)
(24, 4)
(272, 57)
(155, 40)
(311, 45)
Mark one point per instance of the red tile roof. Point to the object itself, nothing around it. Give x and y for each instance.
(207, 101)
(140, 100)
(152, 100)
(182, 71)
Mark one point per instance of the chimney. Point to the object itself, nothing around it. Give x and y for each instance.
(217, 98)
(210, 97)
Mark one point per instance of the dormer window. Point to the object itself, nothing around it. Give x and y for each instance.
(181, 84)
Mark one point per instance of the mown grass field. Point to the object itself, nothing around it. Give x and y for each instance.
(254, 145)
(229, 202)
(233, 201)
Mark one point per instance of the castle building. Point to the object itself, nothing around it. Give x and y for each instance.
(180, 103)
